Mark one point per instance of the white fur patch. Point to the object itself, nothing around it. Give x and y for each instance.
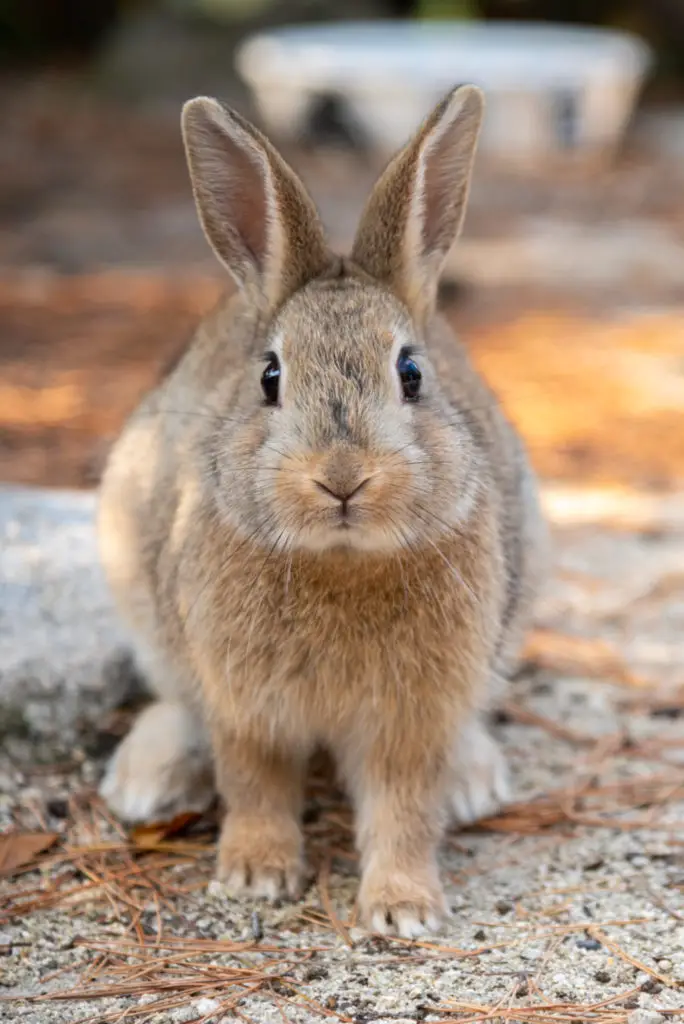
(482, 782)
(161, 769)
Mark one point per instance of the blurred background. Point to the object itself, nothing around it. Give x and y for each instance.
(568, 285)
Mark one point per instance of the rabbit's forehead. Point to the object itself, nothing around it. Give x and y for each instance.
(343, 328)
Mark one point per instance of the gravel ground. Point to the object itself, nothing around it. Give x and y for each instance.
(542, 910)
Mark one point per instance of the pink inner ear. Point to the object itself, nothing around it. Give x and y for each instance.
(231, 181)
(447, 161)
(442, 199)
(245, 201)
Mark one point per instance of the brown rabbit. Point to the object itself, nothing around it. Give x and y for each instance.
(322, 529)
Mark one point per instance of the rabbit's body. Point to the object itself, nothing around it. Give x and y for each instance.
(272, 622)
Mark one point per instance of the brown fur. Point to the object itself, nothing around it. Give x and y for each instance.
(258, 615)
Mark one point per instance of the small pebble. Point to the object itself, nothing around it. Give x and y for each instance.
(257, 927)
(645, 1017)
(184, 1014)
(58, 808)
(315, 974)
(205, 1006)
(588, 944)
(639, 861)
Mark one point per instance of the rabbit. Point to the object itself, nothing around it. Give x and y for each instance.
(322, 530)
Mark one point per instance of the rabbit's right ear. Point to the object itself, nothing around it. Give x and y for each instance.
(255, 212)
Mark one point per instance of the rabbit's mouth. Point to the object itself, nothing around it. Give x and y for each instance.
(353, 531)
(343, 527)
(342, 498)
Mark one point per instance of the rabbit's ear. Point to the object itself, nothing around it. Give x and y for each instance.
(255, 212)
(416, 209)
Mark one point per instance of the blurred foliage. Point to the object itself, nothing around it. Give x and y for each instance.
(33, 29)
(48, 29)
(222, 9)
(437, 9)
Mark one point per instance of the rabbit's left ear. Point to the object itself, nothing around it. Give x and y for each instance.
(416, 209)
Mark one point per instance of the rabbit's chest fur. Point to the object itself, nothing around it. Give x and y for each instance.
(312, 642)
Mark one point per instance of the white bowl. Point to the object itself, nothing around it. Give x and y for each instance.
(551, 89)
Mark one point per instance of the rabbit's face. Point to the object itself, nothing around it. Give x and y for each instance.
(340, 437)
(348, 443)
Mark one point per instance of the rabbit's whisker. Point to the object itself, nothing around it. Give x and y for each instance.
(441, 554)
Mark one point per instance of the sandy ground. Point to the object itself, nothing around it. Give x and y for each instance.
(578, 913)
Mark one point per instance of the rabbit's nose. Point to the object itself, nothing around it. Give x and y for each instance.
(341, 492)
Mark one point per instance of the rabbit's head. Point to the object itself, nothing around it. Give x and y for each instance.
(337, 433)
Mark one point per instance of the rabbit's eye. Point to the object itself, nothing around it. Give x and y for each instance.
(409, 374)
(270, 379)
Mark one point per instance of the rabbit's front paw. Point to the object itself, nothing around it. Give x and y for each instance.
(481, 785)
(161, 769)
(396, 903)
(261, 858)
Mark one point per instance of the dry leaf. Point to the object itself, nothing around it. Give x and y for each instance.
(154, 833)
(20, 848)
